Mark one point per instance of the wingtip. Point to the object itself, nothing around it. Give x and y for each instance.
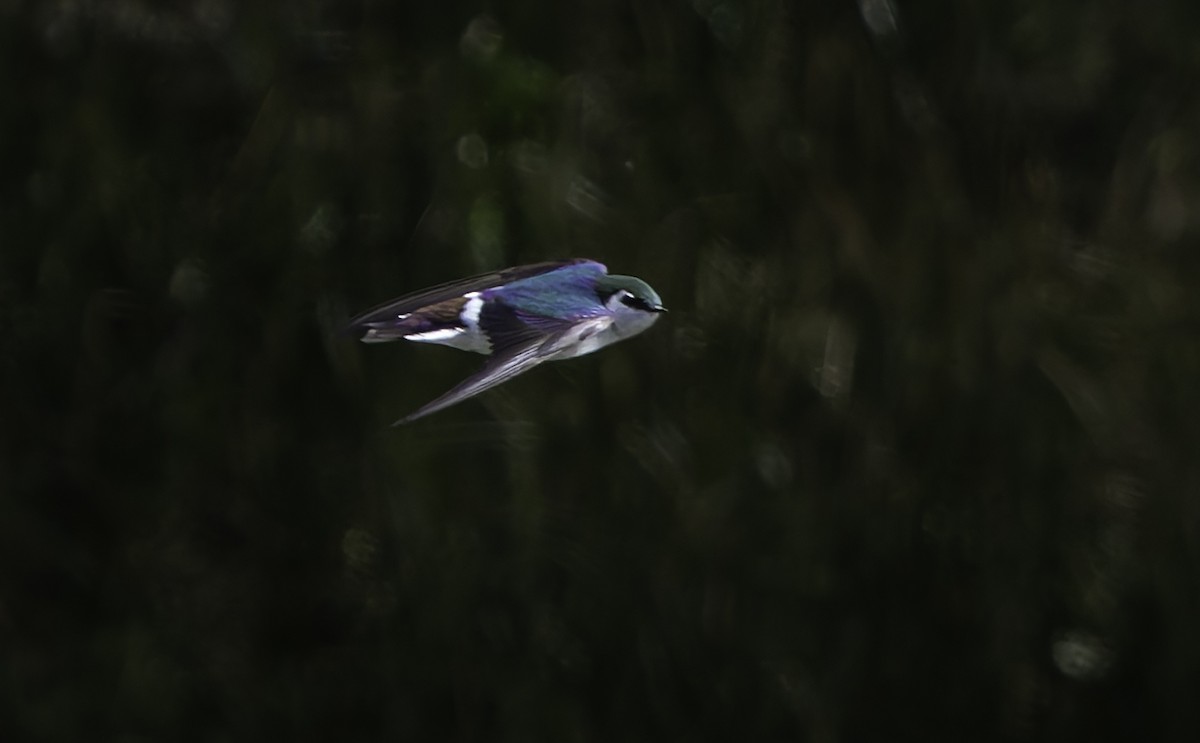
(420, 413)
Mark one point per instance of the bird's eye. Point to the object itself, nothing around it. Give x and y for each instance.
(636, 303)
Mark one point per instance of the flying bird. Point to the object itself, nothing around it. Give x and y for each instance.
(519, 317)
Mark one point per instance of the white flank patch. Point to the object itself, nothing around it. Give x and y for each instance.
(447, 336)
(473, 338)
(468, 337)
(470, 311)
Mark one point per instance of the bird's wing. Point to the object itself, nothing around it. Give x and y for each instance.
(517, 347)
(411, 302)
(501, 366)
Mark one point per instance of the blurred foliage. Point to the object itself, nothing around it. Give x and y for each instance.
(912, 458)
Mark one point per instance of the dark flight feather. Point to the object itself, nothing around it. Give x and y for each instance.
(501, 366)
(507, 328)
(516, 348)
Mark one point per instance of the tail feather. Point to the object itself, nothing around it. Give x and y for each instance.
(383, 324)
(382, 331)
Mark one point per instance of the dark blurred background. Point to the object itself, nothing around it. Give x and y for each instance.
(913, 458)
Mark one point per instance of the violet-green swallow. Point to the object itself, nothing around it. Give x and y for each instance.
(519, 316)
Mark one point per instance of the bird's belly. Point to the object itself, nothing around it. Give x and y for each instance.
(593, 337)
(586, 339)
(586, 346)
